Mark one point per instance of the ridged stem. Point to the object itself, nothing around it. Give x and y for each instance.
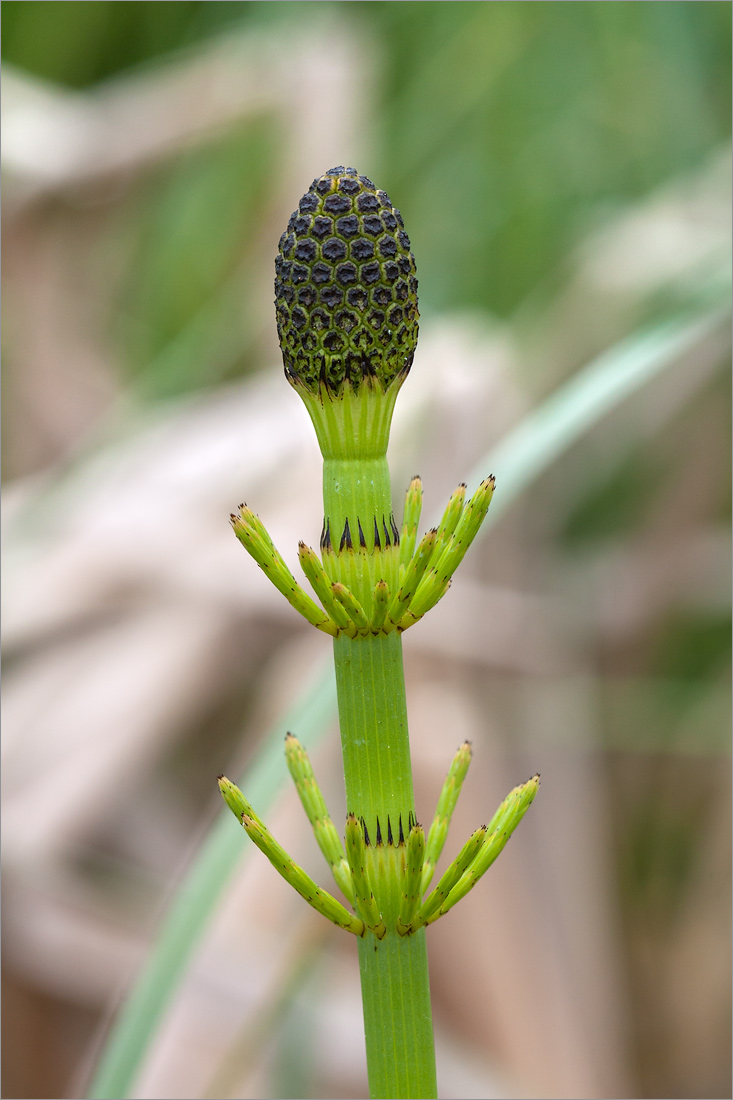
(374, 738)
(397, 1015)
(378, 776)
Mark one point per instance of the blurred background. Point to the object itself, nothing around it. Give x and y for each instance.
(564, 174)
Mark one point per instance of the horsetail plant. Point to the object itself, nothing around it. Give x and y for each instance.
(347, 318)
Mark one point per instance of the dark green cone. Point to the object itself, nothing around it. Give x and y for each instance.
(345, 288)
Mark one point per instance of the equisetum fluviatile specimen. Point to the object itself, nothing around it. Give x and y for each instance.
(347, 318)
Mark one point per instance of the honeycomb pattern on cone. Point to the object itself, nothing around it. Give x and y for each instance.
(345, 286)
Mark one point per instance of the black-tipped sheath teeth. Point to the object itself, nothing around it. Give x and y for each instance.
(387, 540)
(346, 539)
(395, 532)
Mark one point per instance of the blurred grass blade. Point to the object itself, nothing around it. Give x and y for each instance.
(198, 896)
(520, 457)
(527, 450)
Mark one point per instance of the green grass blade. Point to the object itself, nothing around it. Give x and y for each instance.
(542, 436)
(520, 457)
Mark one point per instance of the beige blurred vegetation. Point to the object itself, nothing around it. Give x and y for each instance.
(587, 637)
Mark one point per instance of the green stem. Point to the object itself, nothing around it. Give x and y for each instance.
(370, 688)
(398, 1021)
(394, 970)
